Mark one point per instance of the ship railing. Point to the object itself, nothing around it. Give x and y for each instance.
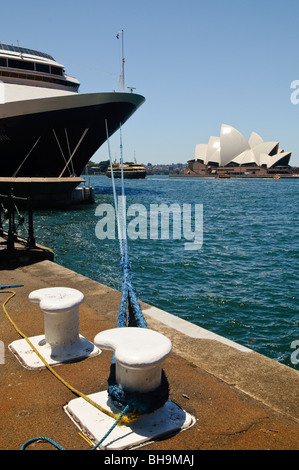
(13, 221)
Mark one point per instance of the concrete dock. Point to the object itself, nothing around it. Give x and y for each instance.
(240, 399)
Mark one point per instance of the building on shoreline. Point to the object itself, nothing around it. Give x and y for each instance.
(232, 155)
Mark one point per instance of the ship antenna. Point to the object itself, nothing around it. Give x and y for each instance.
(122, 76)
(123, 60)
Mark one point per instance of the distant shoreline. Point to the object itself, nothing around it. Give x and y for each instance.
(236, 176)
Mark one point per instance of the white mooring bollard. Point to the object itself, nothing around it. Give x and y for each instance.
(139, 354)
(61, 341)
(61, 316)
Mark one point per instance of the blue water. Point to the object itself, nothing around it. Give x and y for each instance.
(242, 283)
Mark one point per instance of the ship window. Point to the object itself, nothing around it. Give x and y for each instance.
(2, 62)
(40, 78)
(42, 68)
(20, 64)
(56, 70)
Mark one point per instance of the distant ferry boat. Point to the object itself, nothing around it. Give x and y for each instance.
(130, 170)
(47, 128)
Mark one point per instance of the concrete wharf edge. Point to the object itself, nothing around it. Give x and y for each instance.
(241, 400)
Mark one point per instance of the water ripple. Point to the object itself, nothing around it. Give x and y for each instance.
(242, 284)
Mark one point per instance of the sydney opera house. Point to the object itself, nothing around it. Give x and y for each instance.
(232, 155)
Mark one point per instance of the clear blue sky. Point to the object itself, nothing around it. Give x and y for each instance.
(199, 63)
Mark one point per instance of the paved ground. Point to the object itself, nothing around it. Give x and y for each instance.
(240, 400)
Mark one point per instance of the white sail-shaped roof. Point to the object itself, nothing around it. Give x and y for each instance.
(213, 146)
(232, 147)
(201, 152)
(245, 158)
(276, 158)
(215, 158)
(254, 140)
(264, 159)
(265, 147)
(232, 143)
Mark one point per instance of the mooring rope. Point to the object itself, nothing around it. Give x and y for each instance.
(134, 317)
(130, 315)
(59, 447)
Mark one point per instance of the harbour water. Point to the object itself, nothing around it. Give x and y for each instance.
(242, 283)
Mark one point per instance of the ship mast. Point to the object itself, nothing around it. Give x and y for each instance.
(122, 76)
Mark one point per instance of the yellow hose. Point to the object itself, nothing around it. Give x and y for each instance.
(124, 420)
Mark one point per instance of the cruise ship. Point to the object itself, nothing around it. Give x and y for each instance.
(47, 128)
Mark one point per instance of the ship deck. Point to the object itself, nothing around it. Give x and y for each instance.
(43, 192)
(39, 184)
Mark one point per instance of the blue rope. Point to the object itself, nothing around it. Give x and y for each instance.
(134, 316)
(140, 402)
(130, 315)
(122, 399)
(111, 429)
(128, 297)
(30, 441)
(10, 287)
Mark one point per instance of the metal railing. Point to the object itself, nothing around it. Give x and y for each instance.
(11, 219)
